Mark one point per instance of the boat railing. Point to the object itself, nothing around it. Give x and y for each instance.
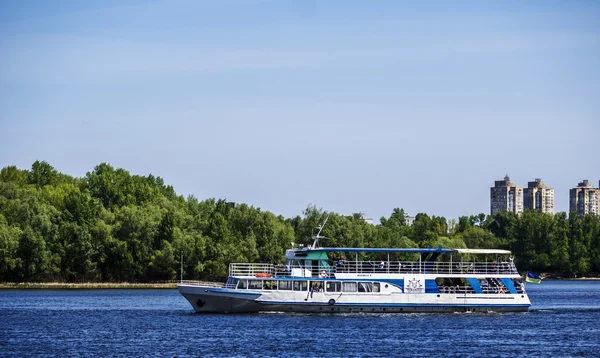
(262, 270)
(499, 289)
(252, 269)
(207, 284)
(422, 267)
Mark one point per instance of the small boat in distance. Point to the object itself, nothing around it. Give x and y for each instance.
(401, 280)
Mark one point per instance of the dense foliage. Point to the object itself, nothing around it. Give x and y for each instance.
(114, 226)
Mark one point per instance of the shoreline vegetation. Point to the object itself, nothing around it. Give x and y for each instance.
(112, 226)
(86, 285)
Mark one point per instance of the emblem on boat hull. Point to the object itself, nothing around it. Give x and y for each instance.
(414, 285)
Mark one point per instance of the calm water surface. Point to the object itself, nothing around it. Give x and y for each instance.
(564, 320)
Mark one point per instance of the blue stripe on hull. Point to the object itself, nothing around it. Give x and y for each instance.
(509, 284)
(431, 287)
(475, 284)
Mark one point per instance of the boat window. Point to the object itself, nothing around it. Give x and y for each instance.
(285, 285)
(269, 285)
(333, 287)
(349, 286)
(316, 286)
(376, 287)
(365, 287)
(443, 281)
(300, 285)
(243, 284)
(255, 284)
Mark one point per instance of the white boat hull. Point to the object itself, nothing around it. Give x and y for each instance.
(220, 300)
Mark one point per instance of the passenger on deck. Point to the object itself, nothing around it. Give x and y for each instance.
(382, 265)
(315, 287)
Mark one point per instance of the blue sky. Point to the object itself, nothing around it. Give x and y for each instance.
(348, 105)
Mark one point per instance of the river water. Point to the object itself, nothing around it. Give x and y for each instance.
(564, 320)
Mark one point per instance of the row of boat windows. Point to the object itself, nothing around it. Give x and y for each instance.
(301, 285)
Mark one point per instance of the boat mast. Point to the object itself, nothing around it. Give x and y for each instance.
(316, 238)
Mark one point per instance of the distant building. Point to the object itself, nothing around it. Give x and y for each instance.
(409, 219)
(538, 197)
(584, 199)
(506, 196)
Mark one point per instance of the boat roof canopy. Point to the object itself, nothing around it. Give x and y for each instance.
(405, 250)
(483, 251)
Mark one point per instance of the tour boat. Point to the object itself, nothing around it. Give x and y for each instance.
(341, 280)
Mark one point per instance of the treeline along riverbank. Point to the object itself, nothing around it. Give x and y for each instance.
(111, 226)
(87, 285)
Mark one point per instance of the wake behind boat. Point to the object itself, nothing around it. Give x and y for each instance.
(421, 280)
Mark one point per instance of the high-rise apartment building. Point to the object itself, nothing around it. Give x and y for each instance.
(585, 198)
(537, 196)
(506, 196)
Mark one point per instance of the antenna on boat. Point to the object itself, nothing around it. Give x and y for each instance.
(181, 266)
(316, 238)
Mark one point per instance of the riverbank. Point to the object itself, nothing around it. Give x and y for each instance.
(553, 276)
(86, 285)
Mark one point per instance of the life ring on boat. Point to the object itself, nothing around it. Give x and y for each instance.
(262, 274)
(323, 274)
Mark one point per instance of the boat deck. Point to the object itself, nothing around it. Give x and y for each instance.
(385, 267)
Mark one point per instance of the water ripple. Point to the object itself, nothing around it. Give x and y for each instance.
(563, 321)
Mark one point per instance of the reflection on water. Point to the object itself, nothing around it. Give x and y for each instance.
(562, 322)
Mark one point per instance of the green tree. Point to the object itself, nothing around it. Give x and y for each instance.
(424, 233)
(593, 225)
(33, 256)
(42, 174)
(579, 245)
(12, 174)
(559, 246)
(10, 263)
